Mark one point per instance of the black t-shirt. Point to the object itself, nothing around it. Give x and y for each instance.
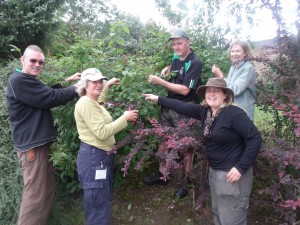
(188, 74)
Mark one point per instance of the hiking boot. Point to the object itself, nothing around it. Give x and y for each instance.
(155, 179)
(181, 192)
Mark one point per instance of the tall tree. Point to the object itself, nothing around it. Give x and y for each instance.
(26, 22)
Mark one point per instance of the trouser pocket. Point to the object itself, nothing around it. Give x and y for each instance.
(31, 154)
(226, 188)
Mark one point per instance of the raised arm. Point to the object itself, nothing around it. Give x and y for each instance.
(176, 88)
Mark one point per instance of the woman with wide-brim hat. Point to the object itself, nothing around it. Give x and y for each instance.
(232, 144)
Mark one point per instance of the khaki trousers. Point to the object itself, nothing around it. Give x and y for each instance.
(230, 201)
(39, 186)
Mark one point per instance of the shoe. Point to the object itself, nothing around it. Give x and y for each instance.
(155, 179)
(181, 192)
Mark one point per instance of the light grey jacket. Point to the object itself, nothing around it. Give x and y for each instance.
(242, 80)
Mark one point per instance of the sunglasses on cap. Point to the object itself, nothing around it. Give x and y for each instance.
(34, 61)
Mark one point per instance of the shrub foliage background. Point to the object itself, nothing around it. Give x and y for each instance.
(129, 50)
(114, 58)
(10, 171)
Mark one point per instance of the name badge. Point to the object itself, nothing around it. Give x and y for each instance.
(101, 173)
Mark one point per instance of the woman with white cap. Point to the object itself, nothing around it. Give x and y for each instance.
(232, 144)
(96, 129)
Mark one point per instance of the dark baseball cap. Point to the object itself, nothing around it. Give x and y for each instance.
(179, 34)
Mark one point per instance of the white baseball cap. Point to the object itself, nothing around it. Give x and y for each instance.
(92, 74)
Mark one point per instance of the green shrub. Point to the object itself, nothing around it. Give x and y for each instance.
(110, 57)
(265, 122)
(10, 170)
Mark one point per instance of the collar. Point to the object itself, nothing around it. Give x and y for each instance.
(188, 58)
(240, 64)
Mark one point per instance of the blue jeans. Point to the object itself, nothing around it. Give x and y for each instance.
(97, 192)
(230, 201)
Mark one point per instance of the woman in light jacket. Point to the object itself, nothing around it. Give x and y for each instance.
(241, 78)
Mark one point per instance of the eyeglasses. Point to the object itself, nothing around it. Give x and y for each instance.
(34, 61)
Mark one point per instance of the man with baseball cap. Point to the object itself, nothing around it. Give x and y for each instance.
(182, 86)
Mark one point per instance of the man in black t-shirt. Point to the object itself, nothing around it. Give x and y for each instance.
(184, 80)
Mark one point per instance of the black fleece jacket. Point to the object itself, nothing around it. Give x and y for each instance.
(234, 140)
(29, 102)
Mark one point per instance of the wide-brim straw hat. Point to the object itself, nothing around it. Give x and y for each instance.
(217, 83)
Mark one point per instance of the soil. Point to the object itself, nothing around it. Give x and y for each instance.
(139, 204)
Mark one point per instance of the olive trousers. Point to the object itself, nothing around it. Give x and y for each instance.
(38, 186)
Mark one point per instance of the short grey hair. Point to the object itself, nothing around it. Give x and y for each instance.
(81, 87)
(33, 48)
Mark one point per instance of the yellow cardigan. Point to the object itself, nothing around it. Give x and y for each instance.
(94, 123)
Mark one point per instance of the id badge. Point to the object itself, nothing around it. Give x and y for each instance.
(100, 173)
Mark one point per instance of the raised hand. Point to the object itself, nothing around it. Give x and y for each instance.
(113, 81)
(75, 76)
(131, 115)
(165, 71)
(151, 97)
(155, 79)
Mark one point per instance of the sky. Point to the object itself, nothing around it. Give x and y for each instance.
(146, 10)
